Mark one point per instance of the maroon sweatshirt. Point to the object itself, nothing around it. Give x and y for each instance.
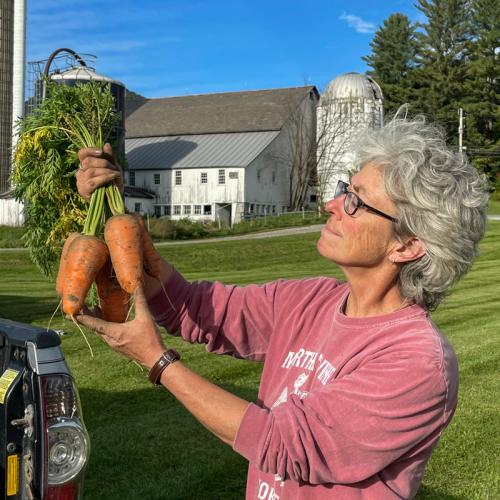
(348, 408)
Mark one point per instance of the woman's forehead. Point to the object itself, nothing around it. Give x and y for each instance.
(368, 179)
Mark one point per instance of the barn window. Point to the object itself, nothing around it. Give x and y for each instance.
(187, 209)
(131, 178)
(137, 207)
(222, 176)
(233, 175)
(177, 210)
(204, 178)
(197, 209)
(156, 179)
(207, 209)
(157, 211)
(178, 177)
(167, 210)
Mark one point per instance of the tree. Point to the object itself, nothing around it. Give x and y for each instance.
(339, 121)
(392, 60)
(482, 101)
(441, 60)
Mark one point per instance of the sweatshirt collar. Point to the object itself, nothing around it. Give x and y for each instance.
(406, 313)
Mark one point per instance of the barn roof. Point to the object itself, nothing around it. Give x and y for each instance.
(196, 151)
(228, 112)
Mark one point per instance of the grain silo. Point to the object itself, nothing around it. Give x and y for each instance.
(12, 62)
(350, 103)
(80, 72)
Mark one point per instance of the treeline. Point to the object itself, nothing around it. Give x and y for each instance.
(446, 62)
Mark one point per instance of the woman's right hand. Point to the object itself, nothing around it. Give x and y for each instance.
(97, 168)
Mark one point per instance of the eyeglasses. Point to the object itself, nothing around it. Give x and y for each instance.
(352, 201)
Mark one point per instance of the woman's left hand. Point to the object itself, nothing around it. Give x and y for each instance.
(138, 339)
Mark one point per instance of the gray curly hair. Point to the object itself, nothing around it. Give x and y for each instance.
(441, 199)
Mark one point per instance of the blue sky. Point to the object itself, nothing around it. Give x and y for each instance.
(178, 47)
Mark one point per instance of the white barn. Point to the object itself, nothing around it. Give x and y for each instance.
(214, 156)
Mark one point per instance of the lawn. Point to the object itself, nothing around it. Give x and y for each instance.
(146, 446)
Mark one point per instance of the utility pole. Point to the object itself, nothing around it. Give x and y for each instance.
(460, 129)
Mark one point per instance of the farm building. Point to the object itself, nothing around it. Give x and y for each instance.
(217, 156)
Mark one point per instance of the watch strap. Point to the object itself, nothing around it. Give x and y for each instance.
(168, 357)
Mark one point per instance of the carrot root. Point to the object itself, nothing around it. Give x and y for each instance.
(83, 334)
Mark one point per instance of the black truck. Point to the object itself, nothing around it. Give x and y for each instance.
(44, 445)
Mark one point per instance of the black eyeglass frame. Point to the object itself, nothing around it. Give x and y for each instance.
(342, 189)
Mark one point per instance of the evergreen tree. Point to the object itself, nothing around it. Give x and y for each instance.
(392, 59)
(439, 78)
(482, 101)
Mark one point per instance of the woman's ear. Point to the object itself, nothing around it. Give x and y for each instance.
(411, 249)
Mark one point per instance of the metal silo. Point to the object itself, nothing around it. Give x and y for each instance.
(79, 72)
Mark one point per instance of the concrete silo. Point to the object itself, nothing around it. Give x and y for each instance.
(12, 64)
(350, 103)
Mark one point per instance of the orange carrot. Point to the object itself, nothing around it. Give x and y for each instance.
(152, 259)
(123, 237)
(113, 300)
(86, 256)
(62, 263)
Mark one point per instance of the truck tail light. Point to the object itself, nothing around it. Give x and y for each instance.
(66, 441)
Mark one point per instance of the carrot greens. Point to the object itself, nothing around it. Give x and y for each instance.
(46, 159)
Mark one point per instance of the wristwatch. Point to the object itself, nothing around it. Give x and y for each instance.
(168, 357)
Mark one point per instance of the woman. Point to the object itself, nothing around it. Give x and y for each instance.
(358, 383)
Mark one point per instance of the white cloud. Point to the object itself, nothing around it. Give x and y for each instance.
(360, 25)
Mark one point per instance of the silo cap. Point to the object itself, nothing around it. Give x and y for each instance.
(84, 73)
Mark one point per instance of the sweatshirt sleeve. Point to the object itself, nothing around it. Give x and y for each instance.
(350, 429)
(227, 319)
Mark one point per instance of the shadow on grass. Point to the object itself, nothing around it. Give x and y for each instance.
(146, 445)
(27, 309)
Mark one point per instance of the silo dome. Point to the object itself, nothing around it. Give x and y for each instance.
(83, 73)
(353, 85)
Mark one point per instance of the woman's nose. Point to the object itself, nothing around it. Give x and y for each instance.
(334, 206)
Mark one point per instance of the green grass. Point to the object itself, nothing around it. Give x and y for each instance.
(10, 237)
(146, 446)
(494, 206)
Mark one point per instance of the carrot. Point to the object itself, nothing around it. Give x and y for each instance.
(122, 234)
(152, 259)
(62, 263)
(113, 300)
(86, 256)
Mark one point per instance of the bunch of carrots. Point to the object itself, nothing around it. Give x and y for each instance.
(113, 250)
(116, 264)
